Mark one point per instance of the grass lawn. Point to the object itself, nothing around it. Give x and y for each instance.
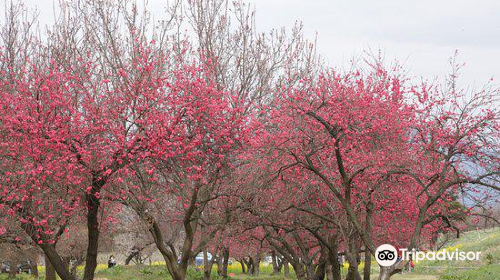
(413, 277)
(157, 272)
(485, 241)
(487, 268)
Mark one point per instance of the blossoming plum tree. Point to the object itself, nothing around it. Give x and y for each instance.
(356, 135)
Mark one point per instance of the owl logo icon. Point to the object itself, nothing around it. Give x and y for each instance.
(386, 255)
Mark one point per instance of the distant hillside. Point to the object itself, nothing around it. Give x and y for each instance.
(487, 268)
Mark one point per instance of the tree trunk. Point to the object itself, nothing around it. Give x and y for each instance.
(320, 271)
(368, 265)
(384, 273)
(368, 255)
(13, 270)
(276, 266)
(387, 271)
(352, 256)
(219, 266)
(74, 266)
(333, 257)
(225, 255)
(50, 273)
(352, 272)
(256, 264)
(310, 270)
(209, 264)
(56, 262)
(250, 266)
(176, 270)
(73, 270)
(207, 267)
(135, 252)
(242, 262)
(34, 270)
(286, 268)
(299, 271)
(52, 257)
(329, 273)
(93, 204)
(67, 263)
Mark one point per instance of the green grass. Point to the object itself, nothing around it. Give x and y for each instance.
(485, 241)
(488, 267)
(17, 277)
(134, 272)
(487, 272)
(159, 271)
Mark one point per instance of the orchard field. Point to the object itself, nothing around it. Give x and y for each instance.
(187, 135)
(485, 241)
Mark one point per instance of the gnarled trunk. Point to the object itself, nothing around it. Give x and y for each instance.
(93, 204)
(333, 257)
(242, 262)
(352, 258)
(250, 265)
(225, 263)
(276, 264)
(319, 273)
(207, 265)
(56, 262)
(369, 226)
(50, 273)
(256, 264)
(300, 271)
(385, 273)
(368, 265)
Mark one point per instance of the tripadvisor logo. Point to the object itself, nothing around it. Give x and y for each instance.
(387, 255)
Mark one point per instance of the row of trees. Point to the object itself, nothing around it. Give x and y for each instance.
(221, 139)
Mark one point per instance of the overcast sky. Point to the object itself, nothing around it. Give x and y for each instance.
(421, 33)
